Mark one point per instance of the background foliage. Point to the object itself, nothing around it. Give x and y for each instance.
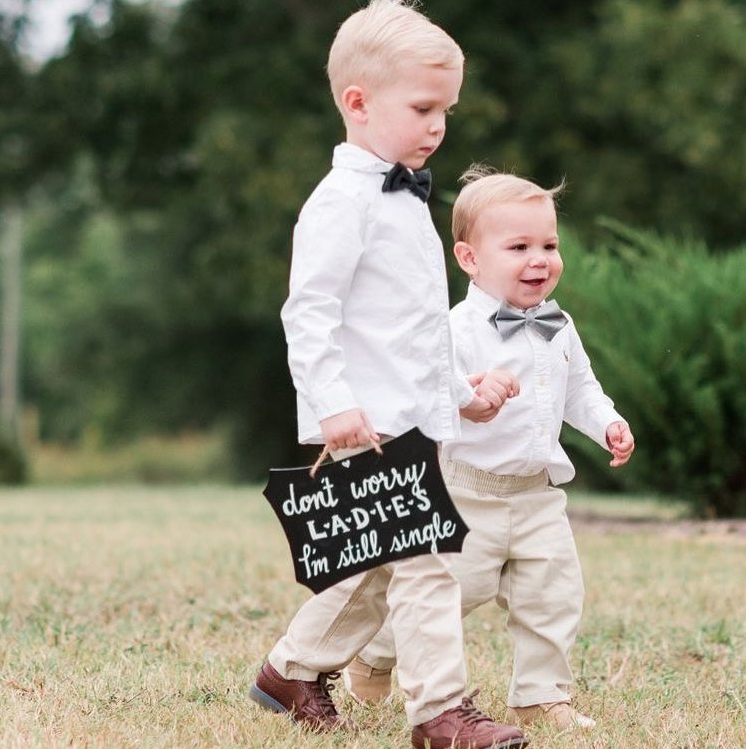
(670, 348)
(162, 158)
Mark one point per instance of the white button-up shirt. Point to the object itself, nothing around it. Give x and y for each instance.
(557, 384)
(366, 319)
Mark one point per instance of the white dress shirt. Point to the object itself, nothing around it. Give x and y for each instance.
(366, 319)
(557, 384)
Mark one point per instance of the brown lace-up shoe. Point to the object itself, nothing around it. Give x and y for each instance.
(308, 702)
(464, 727)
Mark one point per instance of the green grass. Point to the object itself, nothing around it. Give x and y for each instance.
(134, 617)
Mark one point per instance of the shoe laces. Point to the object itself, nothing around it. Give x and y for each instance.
(324, 690)
(469, 711)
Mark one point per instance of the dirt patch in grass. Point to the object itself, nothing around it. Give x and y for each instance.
(706, 530)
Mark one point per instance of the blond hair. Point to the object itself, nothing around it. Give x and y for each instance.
(372, 42)
(485, 187)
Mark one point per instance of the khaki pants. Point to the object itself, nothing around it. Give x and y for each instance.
(521, 554)
(421, 599)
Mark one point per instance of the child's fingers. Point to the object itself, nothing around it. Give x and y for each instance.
(615, 436)
(621, 445)
(495, 394)
(475, 379)
(483, 409)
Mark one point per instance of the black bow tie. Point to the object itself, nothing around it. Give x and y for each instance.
(400, 177)
(547, 320)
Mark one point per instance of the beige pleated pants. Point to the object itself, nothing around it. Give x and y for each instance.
(520, 553)
(421, 599)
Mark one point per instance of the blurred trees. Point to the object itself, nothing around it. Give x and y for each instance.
(162, 160)
(185, 141)
(638, 103)
(13, 146)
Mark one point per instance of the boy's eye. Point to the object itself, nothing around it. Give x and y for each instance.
(518, 246)
(551, 246)
(423, 110)
(449, 111)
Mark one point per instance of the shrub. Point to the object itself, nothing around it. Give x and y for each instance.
(664, 323)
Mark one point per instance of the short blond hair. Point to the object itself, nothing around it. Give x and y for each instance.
(372, 42)
(484, 187)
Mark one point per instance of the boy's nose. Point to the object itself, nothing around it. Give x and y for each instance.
(438, 125)
(537, 259)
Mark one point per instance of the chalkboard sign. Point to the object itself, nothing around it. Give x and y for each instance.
(362, 512)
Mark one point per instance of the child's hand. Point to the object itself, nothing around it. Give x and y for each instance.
(492, 389)
(349, 429)
(479, 410)
(497, 386)
(620, 441)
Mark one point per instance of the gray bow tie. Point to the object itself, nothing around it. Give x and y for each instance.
(546, 320)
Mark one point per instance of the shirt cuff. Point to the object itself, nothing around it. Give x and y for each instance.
(332, 400)
(603, 417)
(465, 392)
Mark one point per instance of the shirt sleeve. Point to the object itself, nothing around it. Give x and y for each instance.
(587, 407)
(327, 245)
(461, 361)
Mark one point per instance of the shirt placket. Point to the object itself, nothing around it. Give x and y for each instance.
(542, 429)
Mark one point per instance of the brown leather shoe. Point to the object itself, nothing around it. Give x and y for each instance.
(308, 702)
(464, 727)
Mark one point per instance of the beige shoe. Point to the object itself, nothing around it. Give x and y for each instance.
(560, 715)
(367, 684)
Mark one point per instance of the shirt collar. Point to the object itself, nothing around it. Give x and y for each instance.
(347, 156)
(485, 303)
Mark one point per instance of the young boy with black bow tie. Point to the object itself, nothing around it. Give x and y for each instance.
(503, 476)
(370, 353)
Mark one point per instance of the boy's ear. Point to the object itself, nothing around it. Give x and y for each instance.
(465, 257)
(354, 103)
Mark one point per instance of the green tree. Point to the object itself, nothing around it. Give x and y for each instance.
(638, 103)
(204, 188)
(14, 144)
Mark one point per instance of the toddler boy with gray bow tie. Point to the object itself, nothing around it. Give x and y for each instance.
(503, 475)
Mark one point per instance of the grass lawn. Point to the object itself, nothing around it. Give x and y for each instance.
(136, 617)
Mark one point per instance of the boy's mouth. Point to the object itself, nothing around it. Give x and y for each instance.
(534, 281)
